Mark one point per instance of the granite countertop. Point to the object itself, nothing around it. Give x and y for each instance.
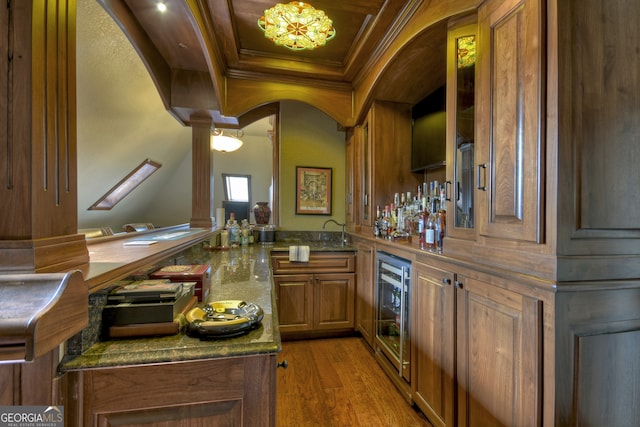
(242, 273)
(237, 274)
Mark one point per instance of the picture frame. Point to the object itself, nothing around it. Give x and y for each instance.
(313, 190)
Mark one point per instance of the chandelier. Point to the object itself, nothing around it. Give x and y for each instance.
(297, 26)
(226, 142)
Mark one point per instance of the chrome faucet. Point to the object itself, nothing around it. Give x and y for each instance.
(343, 241)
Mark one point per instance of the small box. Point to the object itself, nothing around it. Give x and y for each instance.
(128, 313)
(201, 274)
(159, 290)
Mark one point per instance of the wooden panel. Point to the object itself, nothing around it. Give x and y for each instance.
(365, 291)
(432, 336)
(510, 141)
(294, 300)
(15, 123)
(146, 386)
(607, 384)
(319, 262)
(235, 391)
(334, 301)
(598, 342)
(201, 168)
(390, 133)
(599, 127)
(215, 413)
(499, 356)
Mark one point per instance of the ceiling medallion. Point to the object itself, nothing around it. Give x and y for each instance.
(297, 26)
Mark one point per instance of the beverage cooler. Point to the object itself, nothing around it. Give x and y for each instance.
(393, 286)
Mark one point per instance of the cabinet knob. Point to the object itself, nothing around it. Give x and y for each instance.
(284, 364)
(459, 285)
(446, 281)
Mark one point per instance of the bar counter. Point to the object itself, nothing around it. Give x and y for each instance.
(236, 274)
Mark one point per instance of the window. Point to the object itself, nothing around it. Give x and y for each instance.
(237, 188)
(126, 186)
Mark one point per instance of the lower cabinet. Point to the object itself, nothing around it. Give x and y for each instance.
(236, 391)
(365, 291)
(433, 335)
(316, 300)
(477, 349)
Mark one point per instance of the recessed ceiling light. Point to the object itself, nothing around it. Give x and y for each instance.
(161, 6)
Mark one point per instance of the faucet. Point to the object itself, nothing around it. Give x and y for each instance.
(343, 241)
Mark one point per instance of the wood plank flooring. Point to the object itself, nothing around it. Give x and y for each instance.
(338, 383)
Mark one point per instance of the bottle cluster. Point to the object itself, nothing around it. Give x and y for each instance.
(422, 215)
(236, 234)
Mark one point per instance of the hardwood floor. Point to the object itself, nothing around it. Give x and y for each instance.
(338, 383)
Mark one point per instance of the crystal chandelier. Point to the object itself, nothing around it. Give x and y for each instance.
(226, 142)
(297, 26)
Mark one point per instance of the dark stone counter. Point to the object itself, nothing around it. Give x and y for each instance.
(237, 274)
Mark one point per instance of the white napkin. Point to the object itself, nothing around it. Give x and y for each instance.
(299, 253)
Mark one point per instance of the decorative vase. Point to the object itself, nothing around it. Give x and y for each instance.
(262, 212)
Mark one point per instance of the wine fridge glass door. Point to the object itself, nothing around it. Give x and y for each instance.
(392, 322)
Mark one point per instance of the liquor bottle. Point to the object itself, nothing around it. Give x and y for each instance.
(430, 230)
(234, 231)
(441, 219)
(384, 222)
(421, 219)
(393, 220)
(377, 222)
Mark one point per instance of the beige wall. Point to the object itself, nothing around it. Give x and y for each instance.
(121, 122)
(308, 137)
(253, 158)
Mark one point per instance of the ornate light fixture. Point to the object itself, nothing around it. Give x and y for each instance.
(226, 142)
(297, 26)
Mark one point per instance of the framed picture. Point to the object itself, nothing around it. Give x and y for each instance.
(313, 191)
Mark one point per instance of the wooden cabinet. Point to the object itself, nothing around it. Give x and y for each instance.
(228, 391)
(294, 296)
(365, 291)
(477, 349)
(499, 355)
(433, 335)
(383, 164)
(317, 296)
(510, 128)
(461, 82)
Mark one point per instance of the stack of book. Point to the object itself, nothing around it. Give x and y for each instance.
(201, 274)
(148, 307)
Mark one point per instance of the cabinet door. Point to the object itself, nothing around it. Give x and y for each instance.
(334, 301)
(498, 356)
(365, 311)
(295, 302)
(432, 335)
(365, 185)
(509, 119)
(461, 82)
(350, 181)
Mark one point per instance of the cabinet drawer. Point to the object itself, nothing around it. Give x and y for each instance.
(325, 262)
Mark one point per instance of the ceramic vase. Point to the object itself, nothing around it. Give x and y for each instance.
(262, 212)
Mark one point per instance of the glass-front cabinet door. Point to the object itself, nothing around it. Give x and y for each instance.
(461, 79)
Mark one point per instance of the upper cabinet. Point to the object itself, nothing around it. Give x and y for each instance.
(383, 160)
(510, 121)
(598, 130)
(461, 82)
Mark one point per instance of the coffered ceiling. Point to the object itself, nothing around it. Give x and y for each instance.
(210, 57)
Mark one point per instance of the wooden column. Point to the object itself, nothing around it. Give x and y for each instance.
(38, 170)
(201, 198)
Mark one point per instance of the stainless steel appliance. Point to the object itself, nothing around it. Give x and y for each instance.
(393, 346)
